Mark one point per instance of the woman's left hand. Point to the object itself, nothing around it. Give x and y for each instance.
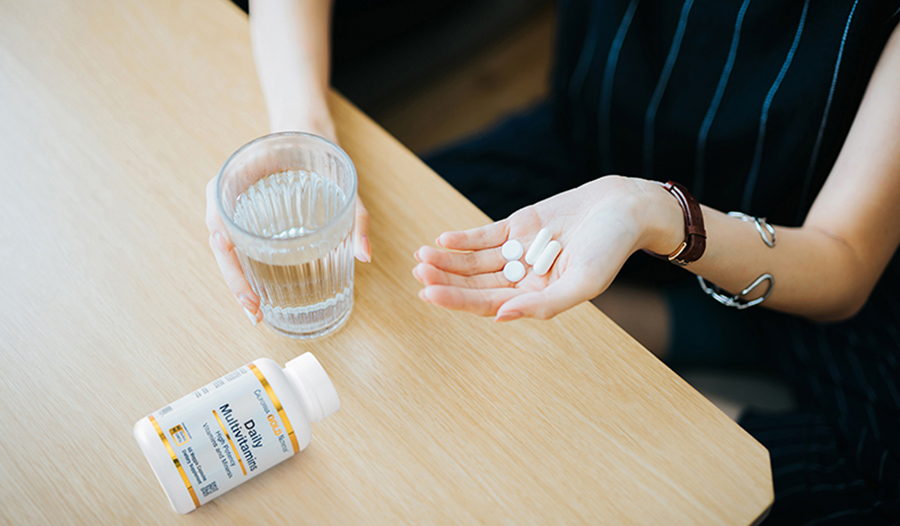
(599, 225)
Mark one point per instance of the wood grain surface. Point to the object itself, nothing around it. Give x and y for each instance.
(113, 116)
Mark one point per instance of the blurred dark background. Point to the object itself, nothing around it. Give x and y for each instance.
(433, 72)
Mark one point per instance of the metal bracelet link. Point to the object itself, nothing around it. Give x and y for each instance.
(767, 233)
(736, 300)
(761, 226)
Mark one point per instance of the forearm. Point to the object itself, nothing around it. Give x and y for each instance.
(291, 48)
(826, 269)
(817, 274)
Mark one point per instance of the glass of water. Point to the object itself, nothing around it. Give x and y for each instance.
(287, 200)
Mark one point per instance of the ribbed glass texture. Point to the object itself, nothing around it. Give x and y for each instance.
(289, 210)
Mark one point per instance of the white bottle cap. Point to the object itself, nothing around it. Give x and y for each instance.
(319, 396)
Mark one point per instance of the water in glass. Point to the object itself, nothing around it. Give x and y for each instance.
(301, 295)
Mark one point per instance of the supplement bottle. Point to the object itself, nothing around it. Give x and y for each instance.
(233, 429)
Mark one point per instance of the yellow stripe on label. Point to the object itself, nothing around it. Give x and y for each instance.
(237, 453)
(184, 478)
(277, 404)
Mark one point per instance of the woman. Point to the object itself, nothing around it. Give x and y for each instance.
(747, 104)
(781, 109)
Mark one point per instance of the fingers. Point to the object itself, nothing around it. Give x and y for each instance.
(560, 295)
(483, 302)
(227, 260)
(488, 236)
(430, 275)
(363, 249)
(463, 263)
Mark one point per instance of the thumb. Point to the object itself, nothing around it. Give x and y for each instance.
(363, 248)
(561, 295)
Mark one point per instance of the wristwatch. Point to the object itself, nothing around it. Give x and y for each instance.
(694, 243)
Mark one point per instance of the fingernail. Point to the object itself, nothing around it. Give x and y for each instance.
(367, 248)
(251, 317)
(508, 316)
(221, 243)
(416, 255)
(248, 303)
(251, 309)
(415, 272)
(422, 296)
(437, 241)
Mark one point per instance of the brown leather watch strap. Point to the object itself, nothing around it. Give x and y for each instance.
(694, 243)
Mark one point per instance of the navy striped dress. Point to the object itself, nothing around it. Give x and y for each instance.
(747, 103)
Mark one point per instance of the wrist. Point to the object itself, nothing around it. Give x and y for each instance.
(662, 219)
(310, 117)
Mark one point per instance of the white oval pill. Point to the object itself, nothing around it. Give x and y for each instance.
(547, 257)
(514, 271)
(537, 246)
(512, 250)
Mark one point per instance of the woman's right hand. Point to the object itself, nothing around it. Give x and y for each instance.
(226, 258)
(291, 49)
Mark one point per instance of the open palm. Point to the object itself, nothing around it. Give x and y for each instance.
(597, 224)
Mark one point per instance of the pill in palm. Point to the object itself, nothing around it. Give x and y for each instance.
(514, 271)
(537, 246)
(512, 250)
(547, 257)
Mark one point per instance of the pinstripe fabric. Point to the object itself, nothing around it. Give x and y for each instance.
(764, 114)
(815, 153)
(838, 460)
(714, 105)
(692, 72)
(609, 72)
(576, 85)
(653, 107)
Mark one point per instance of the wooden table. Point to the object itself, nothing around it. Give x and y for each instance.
(113, 115)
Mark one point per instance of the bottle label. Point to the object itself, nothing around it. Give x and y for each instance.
(225, 433)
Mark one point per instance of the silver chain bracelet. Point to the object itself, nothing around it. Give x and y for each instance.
(767, 233)
(761, 226)
(736, 300)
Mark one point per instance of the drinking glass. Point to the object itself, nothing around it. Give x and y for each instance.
(287, 201)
